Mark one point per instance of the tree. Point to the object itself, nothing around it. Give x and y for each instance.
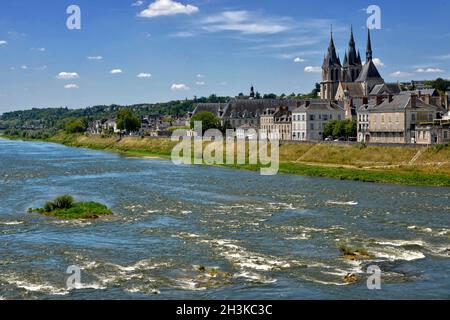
(270, 96)
(127, 121)
(258, 95)
(75, 125)
(329, 128)
(340, 128)
(208, 120)
(350, 128)
(441, 85)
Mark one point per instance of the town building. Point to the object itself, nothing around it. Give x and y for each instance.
(247, 132)
(436, 132)
(276, 123)
(310, 118)
(395, 119)
(238, 112)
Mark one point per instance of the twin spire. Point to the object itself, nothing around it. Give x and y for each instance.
(352, 56)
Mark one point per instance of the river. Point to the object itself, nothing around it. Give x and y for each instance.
(258, 237)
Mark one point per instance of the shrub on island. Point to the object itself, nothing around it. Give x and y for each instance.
(65, 207)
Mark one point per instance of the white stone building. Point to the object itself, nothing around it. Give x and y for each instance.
(309, 120)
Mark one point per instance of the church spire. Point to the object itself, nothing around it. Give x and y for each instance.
(331, 58)
(352, 57)
(369, 53)
(252, 92)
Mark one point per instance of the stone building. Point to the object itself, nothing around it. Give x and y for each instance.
(276, 123)
(395, 119)
(310, 118)
(436, 132)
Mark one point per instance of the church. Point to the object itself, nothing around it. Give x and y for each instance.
(351, 79)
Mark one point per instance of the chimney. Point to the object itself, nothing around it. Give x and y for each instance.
(427, 98)
(379, 100)
(413, 100)
(365, 100)
(446, 100)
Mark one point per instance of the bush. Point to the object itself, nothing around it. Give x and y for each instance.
(63, 202)
(75, 125)
(49, 206)
(208, 119)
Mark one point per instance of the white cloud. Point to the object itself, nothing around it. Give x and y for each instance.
(244, 22)
(95, 58)
(24, 67)
(40, 68)
(161, 8)
(200, 76)
(179, 87)
(311, 69)
(298, 60)
(429, 70)
(200, 83)
(444, 57)
(137, 3)
(39, 49)
(116, 71)
(377, 62)
(71, 86)
(401, 74)
(182, 34)
(67, 75)
(143, 75)
(3, 42)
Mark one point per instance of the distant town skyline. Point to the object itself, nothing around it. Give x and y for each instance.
(150, 51)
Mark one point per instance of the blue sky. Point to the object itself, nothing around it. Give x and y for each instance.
(166, 49)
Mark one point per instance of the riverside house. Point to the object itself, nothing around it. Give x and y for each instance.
(309, 120)
(396, 118)
(277, 123)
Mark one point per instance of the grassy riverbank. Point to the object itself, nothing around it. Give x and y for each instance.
(379, 164)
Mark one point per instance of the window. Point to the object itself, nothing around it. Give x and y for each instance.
(413, 117)
(311, 126)
(311, 117)
(339, 117)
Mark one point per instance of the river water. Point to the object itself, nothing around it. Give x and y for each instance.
(265, 237)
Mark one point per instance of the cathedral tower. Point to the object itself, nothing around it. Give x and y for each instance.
(331, 72)
(352, 63)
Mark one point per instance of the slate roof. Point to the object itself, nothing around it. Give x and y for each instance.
(424, 92)
(369, 72)
(354, 89)
(253, 108)
(318, 105)
(210, 107)
(391, 88)
(401, 102)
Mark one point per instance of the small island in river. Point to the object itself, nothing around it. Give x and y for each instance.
(65, 207)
